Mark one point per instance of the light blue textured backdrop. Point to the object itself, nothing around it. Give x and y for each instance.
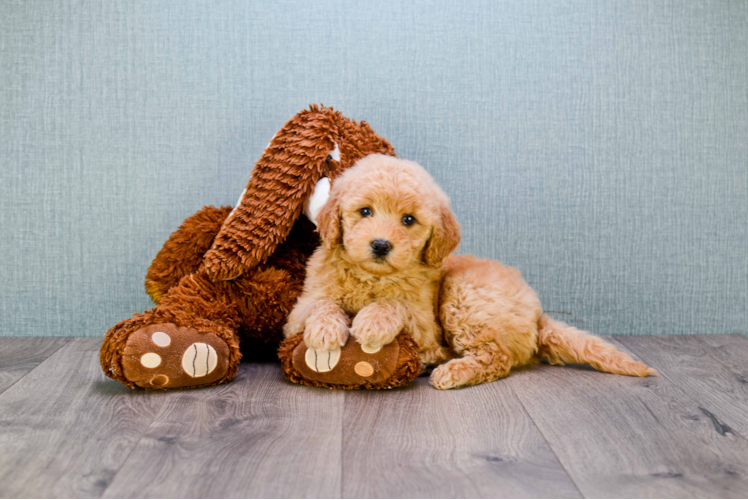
(599, 146)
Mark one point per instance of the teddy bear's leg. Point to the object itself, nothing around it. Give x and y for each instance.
(189, 340)
(183, 252)
(264, 300)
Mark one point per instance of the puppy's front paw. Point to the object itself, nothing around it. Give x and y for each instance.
(372, 329)
(325, 335)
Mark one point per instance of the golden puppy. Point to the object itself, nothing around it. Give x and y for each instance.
(387, 233)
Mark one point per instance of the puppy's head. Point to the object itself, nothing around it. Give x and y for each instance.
(388, 215)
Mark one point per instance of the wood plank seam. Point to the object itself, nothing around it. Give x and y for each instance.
(275, 438)
(53, 360)
(717, 420)
(476, 442)
(667, 468)
(343, 429)
(132, 450)
(542, 434)
(143, 434)
(65, 343)
(719, 426)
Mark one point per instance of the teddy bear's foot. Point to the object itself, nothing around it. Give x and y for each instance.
(166, 356)
(352, 366)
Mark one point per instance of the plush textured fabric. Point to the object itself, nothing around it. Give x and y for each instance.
(600, 147)
(387, 373)
(251, 274)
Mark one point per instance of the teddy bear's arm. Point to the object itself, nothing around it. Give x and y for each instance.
(183, 252)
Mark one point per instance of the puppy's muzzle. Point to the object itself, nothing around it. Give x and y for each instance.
(380, 248)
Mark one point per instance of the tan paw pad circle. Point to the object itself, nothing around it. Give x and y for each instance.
(371, 349)
(322, 361)
(150, 360)
(159, 380)
(199, 360)
(161, 339)
(363, 369)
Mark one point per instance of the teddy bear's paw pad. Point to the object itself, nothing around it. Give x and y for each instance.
(165, 356)
(321, 361)
(199, 360)
(349, 365)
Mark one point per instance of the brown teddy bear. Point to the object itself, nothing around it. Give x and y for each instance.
(229, 277)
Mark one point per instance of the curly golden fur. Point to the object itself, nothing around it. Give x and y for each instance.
(385, 266)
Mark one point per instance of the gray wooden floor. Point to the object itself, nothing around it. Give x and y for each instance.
(67, 431)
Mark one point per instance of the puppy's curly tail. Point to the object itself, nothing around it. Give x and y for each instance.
(561, 343)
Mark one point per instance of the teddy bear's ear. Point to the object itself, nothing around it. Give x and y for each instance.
(445, 237)
(282, 180)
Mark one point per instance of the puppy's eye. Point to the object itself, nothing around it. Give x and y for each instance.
(365, 212)
(409, 220)
(329, 157)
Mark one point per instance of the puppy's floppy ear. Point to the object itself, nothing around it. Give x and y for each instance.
(328, 222)
(445, 238)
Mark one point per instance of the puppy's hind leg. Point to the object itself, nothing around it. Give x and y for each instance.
(436, 355)
(482, 362)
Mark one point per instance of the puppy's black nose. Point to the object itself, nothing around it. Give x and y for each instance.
(381, 247)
